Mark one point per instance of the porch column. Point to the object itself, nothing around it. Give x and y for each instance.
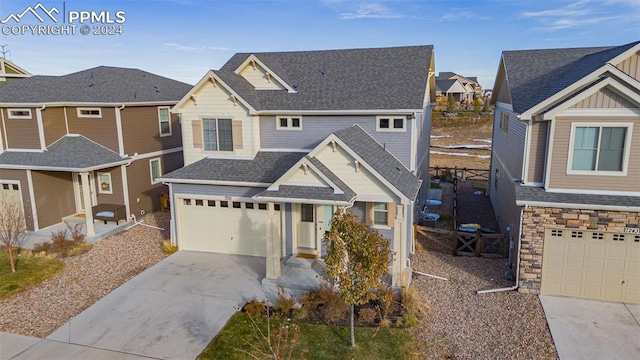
(400, 247)
(86, 197)
(274, 247)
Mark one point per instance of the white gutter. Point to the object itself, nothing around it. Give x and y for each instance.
(81, 104)
(215, 182)
(579, 206)
(517, 264)
(340, 112)
(301, 201)
(53, 168)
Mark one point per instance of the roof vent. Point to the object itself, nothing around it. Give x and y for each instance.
(157, 88)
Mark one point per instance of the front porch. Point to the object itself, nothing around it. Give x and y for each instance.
(101, 230)
(298, 273)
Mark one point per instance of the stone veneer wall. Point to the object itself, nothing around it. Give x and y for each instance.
(536, 219)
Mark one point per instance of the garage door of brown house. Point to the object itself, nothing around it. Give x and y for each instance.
(591, 264)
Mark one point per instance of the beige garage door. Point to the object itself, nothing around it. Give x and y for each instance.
(229, 227)
(591, 264)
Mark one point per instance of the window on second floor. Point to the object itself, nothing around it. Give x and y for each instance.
(504, 122)
(390, 123)
(19, 113)
(598, 148)
(217, 134)
(289, 122)
(89, 112)
(164, 119)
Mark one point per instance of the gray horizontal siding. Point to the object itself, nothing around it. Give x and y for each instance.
(216, 190)
(509, 147)
(317, 128)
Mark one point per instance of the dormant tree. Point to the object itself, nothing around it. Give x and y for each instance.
(357, 261)
(12, 225)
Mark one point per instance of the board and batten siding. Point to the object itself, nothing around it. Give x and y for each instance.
(317, 128)
(101, 130)
(195, 190)
(215, 102)
(559, 179)
(21, 133)
(537, 151)
(143, 195)
(141, 130)
(54, 191)
(363, 182)
(631, 66)
(308, 178)
(54, 124)
(604, 99)
(21, 176)
(258, 77)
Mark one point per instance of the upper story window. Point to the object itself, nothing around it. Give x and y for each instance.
(89, 112)
(504, 122)
(217, 134)
(155, 167)
(599, 149)
(164, 119)
(19, 113)
(390, 123)
(289, 122)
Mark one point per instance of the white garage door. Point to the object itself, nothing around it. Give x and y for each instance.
(229, 227)
(591, 264)
(11, 191)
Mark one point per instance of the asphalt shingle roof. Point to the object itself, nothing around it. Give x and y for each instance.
(445, 85)
(71, 152)
(101, 84)
(266, 167)
(536, 75)
(381, 160)
(305, 193)
(535, 194)
(354, 79)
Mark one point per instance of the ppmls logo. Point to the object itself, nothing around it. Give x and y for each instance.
(55, 22)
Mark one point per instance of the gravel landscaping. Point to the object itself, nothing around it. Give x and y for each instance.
(458, 323)
(85, 279)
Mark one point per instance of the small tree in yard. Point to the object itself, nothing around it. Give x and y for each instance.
(12, 226)
(477, 105)
(451, 103)
(357, 260)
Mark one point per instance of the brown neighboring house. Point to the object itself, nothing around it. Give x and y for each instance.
(565, 169)
(99, 136)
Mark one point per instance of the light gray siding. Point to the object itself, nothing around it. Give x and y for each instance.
(317, 128)
(508, 146)
(288, 225)
(215, 190)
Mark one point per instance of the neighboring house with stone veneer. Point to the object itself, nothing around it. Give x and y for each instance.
(99, 136)
(565, 169)
(275, 143)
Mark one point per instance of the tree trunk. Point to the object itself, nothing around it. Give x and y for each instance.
(13, 264)
(353, 338)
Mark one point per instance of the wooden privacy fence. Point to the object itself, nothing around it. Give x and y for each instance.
(463, 174)
(464, 243)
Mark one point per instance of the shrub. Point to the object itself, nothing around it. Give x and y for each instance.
(410, 319)
(434, 185)
(385, 323)
(446, 176)
(255, 308)
(80, 249)
(301, 314)
(410, 307)
(326, 303)
(168, 248)
(285, 302)
(367, 316)
(75, 231)
(386, 302)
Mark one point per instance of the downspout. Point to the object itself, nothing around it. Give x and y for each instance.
(119, 130)
(43, 145)
(514, 287)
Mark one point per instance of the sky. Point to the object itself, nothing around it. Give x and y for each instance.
(183, 39)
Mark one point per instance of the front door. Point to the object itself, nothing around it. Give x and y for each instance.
(306, 228)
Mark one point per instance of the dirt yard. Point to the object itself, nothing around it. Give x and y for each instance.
(463, 141)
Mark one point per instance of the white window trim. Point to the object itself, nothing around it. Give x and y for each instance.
(202, 119)
(391, 122)
(625, 154)
(168, 108)
(100, 189)
(289, 123)
(81, 115)
(23, 117)
(504, 122)
(386, 211)
(151, 170)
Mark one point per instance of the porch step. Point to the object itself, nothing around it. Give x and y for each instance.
(298, 278)
(300, 262)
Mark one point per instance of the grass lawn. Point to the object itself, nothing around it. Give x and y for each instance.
(320, 341)
(30, 271)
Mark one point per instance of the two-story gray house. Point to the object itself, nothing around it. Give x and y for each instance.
(275, 143)
(565, 169)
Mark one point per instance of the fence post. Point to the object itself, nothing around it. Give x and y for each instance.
(454, 243)
(478, 242)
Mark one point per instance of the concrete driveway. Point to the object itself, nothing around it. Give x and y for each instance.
(589, 329)
(170, 311)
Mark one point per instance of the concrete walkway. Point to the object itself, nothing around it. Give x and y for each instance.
(170, 311)
(589, 329)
